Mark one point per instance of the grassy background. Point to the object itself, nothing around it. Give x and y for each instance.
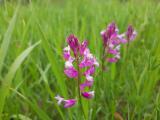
(131, 87)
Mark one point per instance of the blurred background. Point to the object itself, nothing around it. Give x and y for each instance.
(132, 86)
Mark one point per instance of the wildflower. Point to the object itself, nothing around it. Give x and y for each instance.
(79, 54)
(88, 60)
(90, 71)
(87, 83)
(112, 41)
(109, 33)
(73, 43)
(71, 72)
(59, 99)
(83, 47)
(88, 95)
(131, 33)
(66, 52)
(67, 103)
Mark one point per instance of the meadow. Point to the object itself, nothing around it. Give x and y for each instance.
(32, 38)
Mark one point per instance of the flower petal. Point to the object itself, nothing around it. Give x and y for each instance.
(69, 103)
(131, 33)
(59, 99)
(90, 71)
(112, 60)
(88, 95)
(83, 47)
(71, 72)
(86, 84)
(73, 43)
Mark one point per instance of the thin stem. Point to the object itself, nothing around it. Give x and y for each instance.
(102, 60)
(127, 49)
(78, 86)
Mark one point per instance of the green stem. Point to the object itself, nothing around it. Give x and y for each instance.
(78, 87)
(127, 49)
(102, 60)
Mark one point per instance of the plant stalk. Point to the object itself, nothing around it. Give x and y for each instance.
(78, 87)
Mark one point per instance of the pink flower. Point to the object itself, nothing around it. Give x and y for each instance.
(67, 103)
(109, 33)
(86, 84)
(83, 47)
(90, 71)
(131, 33)
(73, 43)
(113, 51)
(88, 95)
(89, 78)
(112, 60)
(66, 53)
(122, 38)
(71, 72)
(84, 59)
(88, 60)
(112, 41)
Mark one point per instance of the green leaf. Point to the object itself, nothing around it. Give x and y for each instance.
(52, 94)
(7, 39)
(21, 117)
(6, 83)
(33, 104)
(54, 64)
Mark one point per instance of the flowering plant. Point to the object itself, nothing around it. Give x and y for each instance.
(79, 54)
(78, 59)
(112, 41)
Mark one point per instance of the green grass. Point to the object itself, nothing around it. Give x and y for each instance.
(131, 87)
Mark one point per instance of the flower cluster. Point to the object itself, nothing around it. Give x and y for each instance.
(112, 40)
(79, 54)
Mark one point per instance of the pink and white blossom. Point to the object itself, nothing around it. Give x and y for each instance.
(131, 33)
(88, 95)
(71, 72)
(67, 103)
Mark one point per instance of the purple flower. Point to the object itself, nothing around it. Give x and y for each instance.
(73, 43)
(112, 41)
(86, 84)
(112, 60)
(71, 72)
(90, 71)
(89, 60)
(86, 62)
(66, 53)
(88, 95)
(113, 51)
(83, 47)
(89, 78)
(84, 59)
(67, 103)
(131, 33)
(109, 33)
(122, 38)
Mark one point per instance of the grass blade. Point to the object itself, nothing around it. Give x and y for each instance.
(52, 95)
(54, 64)
(41, 114)
(6, 83)
(7, 39)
